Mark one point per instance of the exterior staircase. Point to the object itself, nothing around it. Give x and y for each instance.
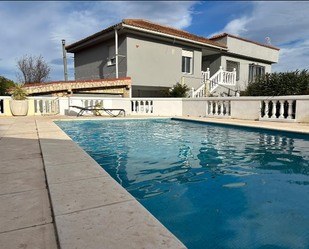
(223, 78)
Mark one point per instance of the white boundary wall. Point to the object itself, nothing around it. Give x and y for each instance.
(294, 108)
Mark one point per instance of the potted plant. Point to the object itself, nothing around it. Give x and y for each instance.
(98, 112)
(19, 102)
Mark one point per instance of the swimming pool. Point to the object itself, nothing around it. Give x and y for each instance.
(211, 186)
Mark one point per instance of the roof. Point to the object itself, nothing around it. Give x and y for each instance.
(168, 30)
(104, 31)
(140, 23)
(226, 34)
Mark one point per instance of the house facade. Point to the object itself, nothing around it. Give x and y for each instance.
(157, 57)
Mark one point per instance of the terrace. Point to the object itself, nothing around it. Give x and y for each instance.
(52, 192)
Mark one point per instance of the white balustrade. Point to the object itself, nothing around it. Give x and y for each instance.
(218, 108)
(142, 107)
(44, 106)
(277, 108)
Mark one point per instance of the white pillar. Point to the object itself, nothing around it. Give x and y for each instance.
(211, 108)
(266, 108)
(274, 109)
(290, 103)
(192, 92)
(221, 75)
(227, 108)
(281, 109)
(216, 107)
(221, 107)
(234, 76)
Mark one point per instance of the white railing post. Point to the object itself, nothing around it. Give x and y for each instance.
(266, 108)
(38, 109)
(49, 106)
(210, 108)
(216, 108)
(261, 106)
(192, 92)
(221, 107)
(138, 107)
(290, 110)
(234, 76)
(221, 75)
(228, 108)
(281, 109)
(44, 106)
(274, 109)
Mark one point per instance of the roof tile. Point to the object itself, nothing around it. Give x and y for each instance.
(154, 27)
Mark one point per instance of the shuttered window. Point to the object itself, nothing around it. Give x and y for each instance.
(187, 61)
(255, 70)
(230, 65)
(111, 55)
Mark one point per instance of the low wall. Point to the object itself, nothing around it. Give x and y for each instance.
(302, 111)
(194, 107)
(249, 108)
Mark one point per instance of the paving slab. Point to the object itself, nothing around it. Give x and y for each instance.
(24, 209)
(10, 155)
(123, 225)
(39, 237)
(15, 166)
(53, 159)
(22, 181)
(79, 195)
(21, 135)
(12, 141)
(74, 171)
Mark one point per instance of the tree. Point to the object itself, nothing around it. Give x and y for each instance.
(177, 91)
(280, 84)
(33, 69)
(5, 84)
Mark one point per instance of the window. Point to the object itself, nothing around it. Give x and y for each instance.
(255, 70)
(230, 65)
(111, 56)
(187, 62)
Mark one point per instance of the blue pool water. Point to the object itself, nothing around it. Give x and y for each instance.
(211, 186)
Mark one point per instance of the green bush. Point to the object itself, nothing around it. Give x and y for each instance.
(280, 84)
(5, 84)
(177, 91)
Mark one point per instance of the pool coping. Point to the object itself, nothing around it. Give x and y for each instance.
(125, 222)
(66, 232)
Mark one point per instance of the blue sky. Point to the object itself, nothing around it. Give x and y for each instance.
(36, 28)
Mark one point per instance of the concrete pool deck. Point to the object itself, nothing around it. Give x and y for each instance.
(54, 195)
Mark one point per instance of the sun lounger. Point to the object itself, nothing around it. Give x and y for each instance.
(93, 108)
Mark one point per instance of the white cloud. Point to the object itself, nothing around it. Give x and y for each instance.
(235, 27)
(35, 28)
(286, 23)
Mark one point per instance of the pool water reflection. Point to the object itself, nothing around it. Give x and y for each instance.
(211, 186)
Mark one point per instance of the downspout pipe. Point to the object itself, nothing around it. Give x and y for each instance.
(116, 51)
(64, 61)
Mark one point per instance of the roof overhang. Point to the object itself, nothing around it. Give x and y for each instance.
(161, 34)
(124, 28)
